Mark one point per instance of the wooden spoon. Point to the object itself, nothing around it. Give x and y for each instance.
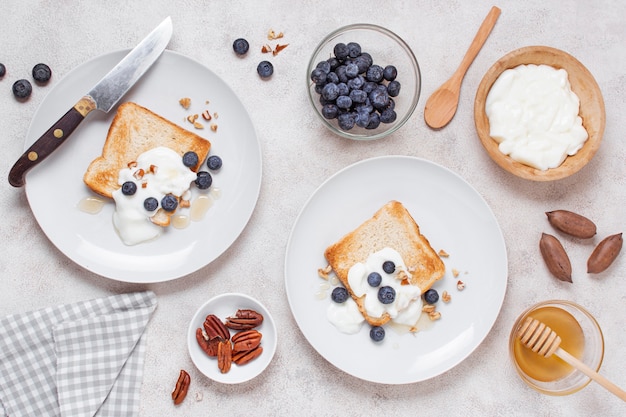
(542, 340)
(441, 105)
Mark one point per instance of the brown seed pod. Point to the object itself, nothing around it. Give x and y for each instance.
(572, 223)
(555, 257)
(604, 254)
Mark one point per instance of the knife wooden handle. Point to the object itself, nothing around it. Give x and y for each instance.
(49, 141)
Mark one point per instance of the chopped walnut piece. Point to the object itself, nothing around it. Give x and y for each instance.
(273, 35)
(324, 272)
(198, 125)
(442, 253)
(446, 297)
(279, 48)
(455, 272)
(435, 315)
(428, 308)
(460, 285)
(266, 49)
(192, 118)
(206, 115)
(214, 127)
(185, 102)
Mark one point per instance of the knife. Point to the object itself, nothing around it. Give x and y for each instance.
(103, 96)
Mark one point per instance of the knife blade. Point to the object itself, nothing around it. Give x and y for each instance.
(103, 97)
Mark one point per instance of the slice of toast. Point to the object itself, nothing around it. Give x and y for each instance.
(135, 130)
(390, 227)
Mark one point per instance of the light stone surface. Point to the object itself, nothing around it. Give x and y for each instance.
(298, 155)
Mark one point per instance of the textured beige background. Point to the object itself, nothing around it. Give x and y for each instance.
(298, 155)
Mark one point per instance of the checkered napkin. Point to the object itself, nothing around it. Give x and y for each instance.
(82, 359)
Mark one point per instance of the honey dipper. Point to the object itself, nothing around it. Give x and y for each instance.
(542, 340)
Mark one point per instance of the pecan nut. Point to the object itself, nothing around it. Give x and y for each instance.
(224, 355)
(242, 358)
(244, 319)
(214, 328)
(181, 388)
(208, 346)
(246, 340)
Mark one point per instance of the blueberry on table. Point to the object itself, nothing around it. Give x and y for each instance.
(374, 279)
(386, 295)
(203, 180)
(22, 89)
(241, 46)
(377, 333)
(169, 202)
(3, 70)
(190, 159)
(150, 203)
(129, 188)
(214, 162)
(339, 295)
(42, 73)
(265, 69)
(389, 267)
(431, 296)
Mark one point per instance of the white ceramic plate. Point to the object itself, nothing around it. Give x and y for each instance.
(223, 306)
(452, 215)
(55, 187)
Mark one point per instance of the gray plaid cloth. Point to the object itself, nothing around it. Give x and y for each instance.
(82, 359)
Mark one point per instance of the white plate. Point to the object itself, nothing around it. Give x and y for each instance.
(452, 215)
(55, 187)
(223, 306)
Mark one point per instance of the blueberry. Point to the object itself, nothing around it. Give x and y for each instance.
(379, 98)
(389, 267)
(352, 70)
(330, 111)
(390, 73)
(334, 63)
(318, 76)
(346, 121)
(377, 333)
(129, 188)
(431, 296)
(356, 83)
(332, 77)
(22, 89)
(150, 203)
(341, 51)
(362, 63)
(214, 162)
(203, 180)
(3, 70)
(190, 159)
(393, 88)
(324, 66)
(339, 295)
(362, 118)
(374, 73)
(374, 121)
(344, 90)
(374, 279)
(354, 49)
(358, 96)
(41, 73)
(330, 91)
(169, 202)
(388, 116)
(241, 46)
(344, 102)
(386, 295)
(341, 74)
(265, 69)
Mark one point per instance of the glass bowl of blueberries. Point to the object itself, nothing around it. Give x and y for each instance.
(363, 81)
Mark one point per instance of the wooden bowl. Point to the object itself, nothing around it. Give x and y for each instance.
(582, 83)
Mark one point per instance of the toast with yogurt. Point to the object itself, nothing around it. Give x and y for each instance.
(392, 226)
(133, 131)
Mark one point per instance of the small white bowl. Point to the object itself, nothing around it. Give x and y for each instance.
(223, 306)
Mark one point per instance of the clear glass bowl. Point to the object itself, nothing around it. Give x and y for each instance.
(592, 349)
(386, 48)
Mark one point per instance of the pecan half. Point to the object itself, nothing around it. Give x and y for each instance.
(246, 340)
(224, 355)
(244, 319)
(242, 358)
(214, 328)
(181, 388)
(208, 346)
